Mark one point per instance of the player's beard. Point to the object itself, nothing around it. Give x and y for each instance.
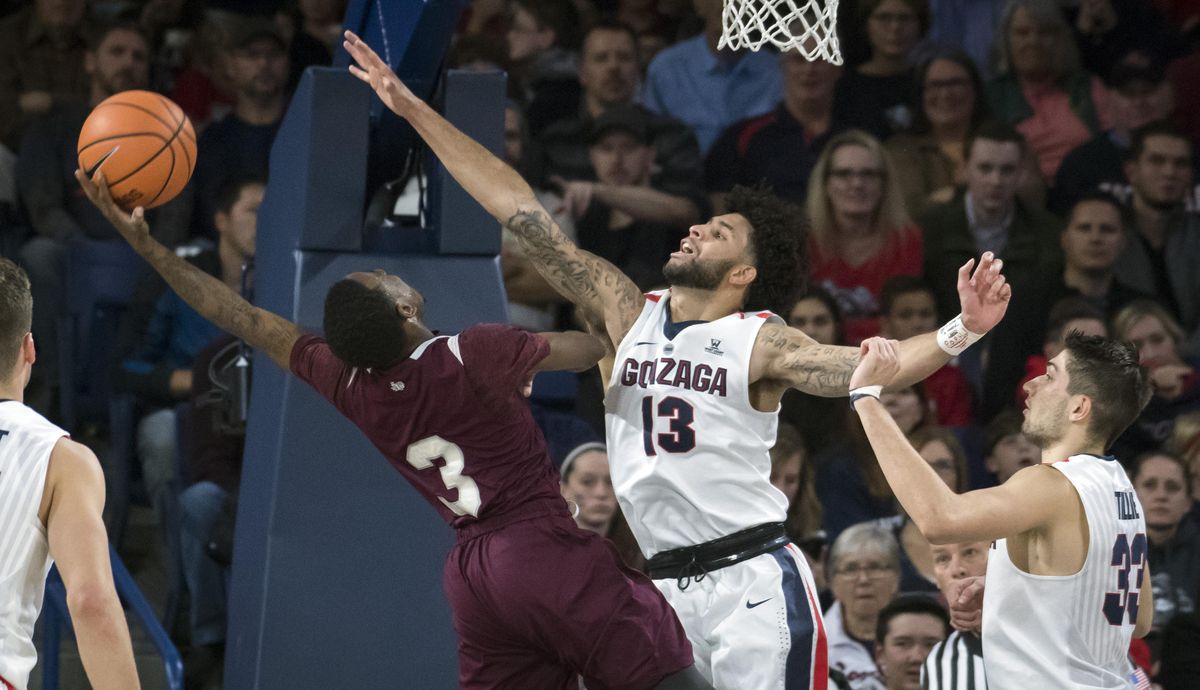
(1045, 431)
(697, 273)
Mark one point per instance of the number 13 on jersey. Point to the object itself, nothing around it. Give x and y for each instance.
(674, 417)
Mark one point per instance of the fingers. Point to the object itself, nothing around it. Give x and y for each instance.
(964, 272)
(998, 285)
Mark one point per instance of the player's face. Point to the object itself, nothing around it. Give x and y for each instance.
(1046, 403)
(993, 173)
(785, 475)
(1012, 454)
(1093, 238)
(910, 637)
(608, 66)
(905, 407)
(912, 313)
(941, 459)
(590, 486)
(405, 296)
(1162, 174)
(709, 252)
(952, 562)
(1162, 491)
(121, 62)
(814, 318)
(865, 582)
(856, 178)
(1155, 345)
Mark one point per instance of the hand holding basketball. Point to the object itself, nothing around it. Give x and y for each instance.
(880, 363)
(374, 71)
(132, 226)
(144, 144)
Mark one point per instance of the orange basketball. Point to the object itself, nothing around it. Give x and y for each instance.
(143, 143)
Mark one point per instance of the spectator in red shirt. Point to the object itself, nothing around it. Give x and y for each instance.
(861, 234)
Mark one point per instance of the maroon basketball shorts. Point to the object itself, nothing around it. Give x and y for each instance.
(538, 603)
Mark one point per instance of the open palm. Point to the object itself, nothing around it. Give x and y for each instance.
(984, 294)
(374, 71)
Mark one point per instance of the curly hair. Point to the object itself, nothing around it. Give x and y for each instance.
(362, 326)
(777, 246)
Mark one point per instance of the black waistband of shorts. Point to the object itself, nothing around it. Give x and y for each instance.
(539, 508)
(693, 563)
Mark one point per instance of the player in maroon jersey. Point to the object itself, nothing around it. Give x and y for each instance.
(536, 600)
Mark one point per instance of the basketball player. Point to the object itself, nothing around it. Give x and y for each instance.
(51, 497)
(537, 602)
(692, 404)
(1067, 580)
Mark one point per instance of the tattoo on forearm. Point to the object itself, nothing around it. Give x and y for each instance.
(579, 276)
(223, 306)
(815, 369)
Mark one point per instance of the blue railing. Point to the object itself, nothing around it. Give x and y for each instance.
(56, 617)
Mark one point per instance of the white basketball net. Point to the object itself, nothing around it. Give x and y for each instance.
(807, 26)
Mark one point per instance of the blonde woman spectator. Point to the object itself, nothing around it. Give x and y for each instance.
(860, 233)
(1040, 87)
(1158, 338)
(1185, 442)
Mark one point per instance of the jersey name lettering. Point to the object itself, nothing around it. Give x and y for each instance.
(1126, 505)
(681, 373)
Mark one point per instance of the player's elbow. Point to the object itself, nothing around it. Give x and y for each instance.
(1140, 630)
(91, 602)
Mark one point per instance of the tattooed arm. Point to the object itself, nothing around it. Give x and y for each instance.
(587, 280)
(216, 301)
(793, 359)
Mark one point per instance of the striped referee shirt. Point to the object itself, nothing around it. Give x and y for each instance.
(956, 664)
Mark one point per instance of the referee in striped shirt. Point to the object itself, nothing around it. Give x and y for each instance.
(957, 663)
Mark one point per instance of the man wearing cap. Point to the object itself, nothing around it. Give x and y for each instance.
(620, 217)
(1139, 94)
(239, 145)
(608, 75)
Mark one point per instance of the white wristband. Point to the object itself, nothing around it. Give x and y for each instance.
(954, 338)
(864, 392)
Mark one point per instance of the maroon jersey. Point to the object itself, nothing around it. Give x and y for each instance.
(450, 418)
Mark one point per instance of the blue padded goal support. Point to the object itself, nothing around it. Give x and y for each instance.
(337, 568)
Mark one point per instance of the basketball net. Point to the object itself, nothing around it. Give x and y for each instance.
(806, 26)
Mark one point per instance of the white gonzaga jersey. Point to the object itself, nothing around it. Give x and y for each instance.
(1072, 630)
(687, 451)
(26, 439)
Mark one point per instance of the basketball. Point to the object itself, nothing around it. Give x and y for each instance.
(144, 145)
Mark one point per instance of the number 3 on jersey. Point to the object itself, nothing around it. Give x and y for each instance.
(680, 437)
(421, 456)
(1125, 557)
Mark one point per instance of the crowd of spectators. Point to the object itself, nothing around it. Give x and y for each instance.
(1059, 134)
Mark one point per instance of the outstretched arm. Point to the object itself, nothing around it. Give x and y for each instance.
(216, 301)
(1030, 499)
(585, 279)
(789, 356)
